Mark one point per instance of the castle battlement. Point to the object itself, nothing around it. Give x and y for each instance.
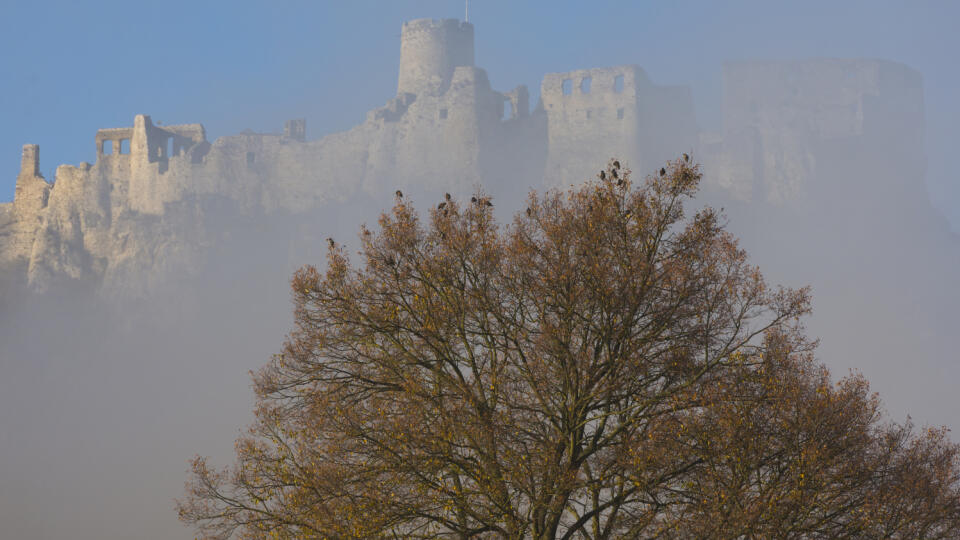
(448, 130)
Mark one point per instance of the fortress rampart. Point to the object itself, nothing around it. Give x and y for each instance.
(448, 130)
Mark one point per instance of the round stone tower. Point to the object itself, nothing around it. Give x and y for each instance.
(429, 51)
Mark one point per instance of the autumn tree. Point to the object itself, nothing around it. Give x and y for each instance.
(605, 366)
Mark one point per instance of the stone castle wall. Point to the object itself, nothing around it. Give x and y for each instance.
(448, 130)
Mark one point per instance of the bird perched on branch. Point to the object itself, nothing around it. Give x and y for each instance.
(331, 242)
(616, 164)
(441, 206)
(603, 175)
(663, 172)
(686, 157)
(446, 196)
(473, 200)
(399, 194)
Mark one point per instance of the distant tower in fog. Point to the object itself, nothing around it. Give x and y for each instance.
(430, 49)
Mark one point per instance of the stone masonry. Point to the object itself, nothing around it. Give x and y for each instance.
(448, 130)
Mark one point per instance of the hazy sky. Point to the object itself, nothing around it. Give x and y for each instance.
(70, 68)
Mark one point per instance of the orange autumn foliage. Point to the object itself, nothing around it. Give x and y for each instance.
(604, 366)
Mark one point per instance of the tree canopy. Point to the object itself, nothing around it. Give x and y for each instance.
(605, 366)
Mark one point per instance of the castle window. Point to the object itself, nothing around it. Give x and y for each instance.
(585, 85)
(106, 147)
(124, 146)
(620, 113)
(251, 157)
(170, 148)
(618, 84)
(443, 114)
(566, 87)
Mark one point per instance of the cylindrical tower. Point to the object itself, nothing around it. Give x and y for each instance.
(429, 51)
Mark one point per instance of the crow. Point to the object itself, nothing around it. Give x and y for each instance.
(399, 194)
(441, 205)
(446, 196)
(603, 175)
(686, 157)
(473, 200)
(663, 172)
(529, 211)
(331, 242)
(619, 182)
(614, 173)
(616, 164)
(487, 202)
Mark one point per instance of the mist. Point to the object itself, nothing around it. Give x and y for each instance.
(108, 385)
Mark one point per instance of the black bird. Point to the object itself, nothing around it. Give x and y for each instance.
(686, 157)
(663, 172)
(614, 173)
(487, 202)
(528, 211)
(473, 200)
(446, 196)
(441, 205)
(616, 164)
(399, 194)
(603, 175)
(619, 182)
(331, 242)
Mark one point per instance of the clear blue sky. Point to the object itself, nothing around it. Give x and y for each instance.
(69, 68)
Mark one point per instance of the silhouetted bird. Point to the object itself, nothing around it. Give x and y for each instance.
(619, 182)
(614, 173)
(331, 242)
(446, 196)
(686, 157)
(528, 211)
(616, 164)
(399, 194)
(663, 172)
(473, 200)
(603, 175)
(441, 205)
(487, 202)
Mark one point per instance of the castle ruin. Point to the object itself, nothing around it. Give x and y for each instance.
(448, 130)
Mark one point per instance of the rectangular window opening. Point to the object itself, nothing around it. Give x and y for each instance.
(618, 84)
(585, 85)
(124, 146)
(567, 87)
(106, 147)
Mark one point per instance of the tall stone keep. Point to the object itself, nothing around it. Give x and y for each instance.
(430, 49)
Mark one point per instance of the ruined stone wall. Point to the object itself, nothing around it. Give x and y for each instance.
(782, 121)
(595, 114)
